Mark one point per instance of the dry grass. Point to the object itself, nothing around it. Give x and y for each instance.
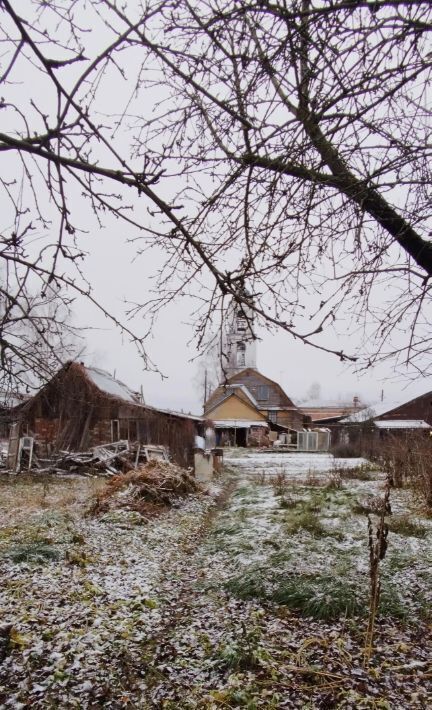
(407, 526)
(364, 472)
(334, 481)
(24, 495)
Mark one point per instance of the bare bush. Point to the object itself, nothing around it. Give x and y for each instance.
(334, 480)
(408, 461)
(280, 483)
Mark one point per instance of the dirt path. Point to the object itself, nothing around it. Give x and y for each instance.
(182, 600)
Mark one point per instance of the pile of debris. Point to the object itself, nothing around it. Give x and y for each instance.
(109, 459)
(148, 489)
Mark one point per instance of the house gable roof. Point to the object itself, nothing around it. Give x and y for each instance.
(250, 375)
(218, 409)
(225, 390)
(87, 383)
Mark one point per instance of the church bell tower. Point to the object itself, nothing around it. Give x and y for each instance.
(240, 343)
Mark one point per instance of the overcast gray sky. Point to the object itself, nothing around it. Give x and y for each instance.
(117, 277)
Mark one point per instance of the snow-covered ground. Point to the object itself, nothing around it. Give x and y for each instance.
(255, 461)
(258, 601)
(83, 594)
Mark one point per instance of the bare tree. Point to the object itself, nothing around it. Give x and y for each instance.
(37, 336)
(280, 145)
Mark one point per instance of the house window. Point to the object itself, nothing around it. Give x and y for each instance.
(272, 416)
(241, 323)
(263, 393)
(241, 354)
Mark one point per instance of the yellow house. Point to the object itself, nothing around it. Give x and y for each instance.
(237, 419)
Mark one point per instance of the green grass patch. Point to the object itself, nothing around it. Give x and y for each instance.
(391, 604)
(322, 597)
(287, 502)
(309, 521)
(244, 513)
(36, 552)
(249, 585)
(406, 526)
(243, 491)
(272, 542)
(230, 527)
(306, 520)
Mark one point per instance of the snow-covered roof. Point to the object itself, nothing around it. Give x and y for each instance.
(173, 413)
(237, 423)
(107, 383)
(402, 424)
(277, 409)
(374, 410)
(322, 403)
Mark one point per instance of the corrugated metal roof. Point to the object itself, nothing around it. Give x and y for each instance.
(402, 424)
(107, 383)
(237, 423)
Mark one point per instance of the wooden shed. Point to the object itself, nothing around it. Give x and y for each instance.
(82, 407)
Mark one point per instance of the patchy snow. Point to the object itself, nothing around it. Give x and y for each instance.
(80, 619)
(158, 615)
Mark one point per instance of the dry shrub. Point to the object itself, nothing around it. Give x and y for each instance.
(346, 450)
(408, 461)
(370, 505)
(314, 481)
(377, 542)
(334, 480)
(147, 490)
(280, 483)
